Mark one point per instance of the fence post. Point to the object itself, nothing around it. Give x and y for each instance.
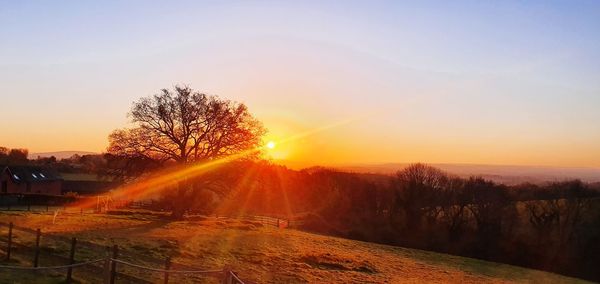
(10, 230)
(71, 260)
(167, 267)
(225, 279)
(113, 268)
(28, 207)
(107, 266)
(46, 207)
(36, 256)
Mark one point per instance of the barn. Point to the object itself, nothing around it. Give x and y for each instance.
(29, 180)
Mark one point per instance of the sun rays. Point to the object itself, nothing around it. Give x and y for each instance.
(156, 182)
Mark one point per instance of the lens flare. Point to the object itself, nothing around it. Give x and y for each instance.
(158, 181)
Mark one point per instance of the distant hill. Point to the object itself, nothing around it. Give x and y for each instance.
(506, 174)
(499, 173)
(60, 154)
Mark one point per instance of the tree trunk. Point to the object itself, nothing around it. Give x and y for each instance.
(179, 202)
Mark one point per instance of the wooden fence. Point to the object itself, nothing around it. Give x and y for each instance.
(265, 220)
(95, 262)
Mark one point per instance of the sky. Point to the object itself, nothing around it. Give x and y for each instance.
(484, 82)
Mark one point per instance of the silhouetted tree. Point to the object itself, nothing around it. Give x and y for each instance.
(494, 213)
(124, 168)
(182, 127)
(543, 218)
(418, 189)
(573, 206)
(454, 207)
(13, 156)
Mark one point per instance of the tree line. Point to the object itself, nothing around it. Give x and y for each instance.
(15, 156)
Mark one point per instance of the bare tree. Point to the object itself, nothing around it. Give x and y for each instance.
(418, 189)
(557, 217)
(572, 208)
(13, 156)
(186, 126)
(183, 127)
(454, 208)
(543, 217)
(495, 215)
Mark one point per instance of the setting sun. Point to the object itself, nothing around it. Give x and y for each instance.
(271, 145)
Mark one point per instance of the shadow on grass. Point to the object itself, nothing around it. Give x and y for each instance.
(486, 268)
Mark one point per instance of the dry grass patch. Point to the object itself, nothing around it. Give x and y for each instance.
(264, 254)
(331, 262)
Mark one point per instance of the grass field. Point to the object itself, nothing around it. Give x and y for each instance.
(264, 254)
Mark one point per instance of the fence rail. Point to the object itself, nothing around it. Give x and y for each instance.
(57, 267)
(228, 276)
(108, 268)
(104, 204)
(279, 222)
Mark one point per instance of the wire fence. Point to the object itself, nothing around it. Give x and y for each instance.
(278, 222)
(105, 204)
(265, 220)
(95, 263)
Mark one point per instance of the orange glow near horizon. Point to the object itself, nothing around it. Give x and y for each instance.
(355, 144)
(161, 180)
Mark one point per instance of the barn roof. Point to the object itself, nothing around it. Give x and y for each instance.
(30, 174)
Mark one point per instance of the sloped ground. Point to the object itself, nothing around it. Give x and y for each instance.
(264, 254)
